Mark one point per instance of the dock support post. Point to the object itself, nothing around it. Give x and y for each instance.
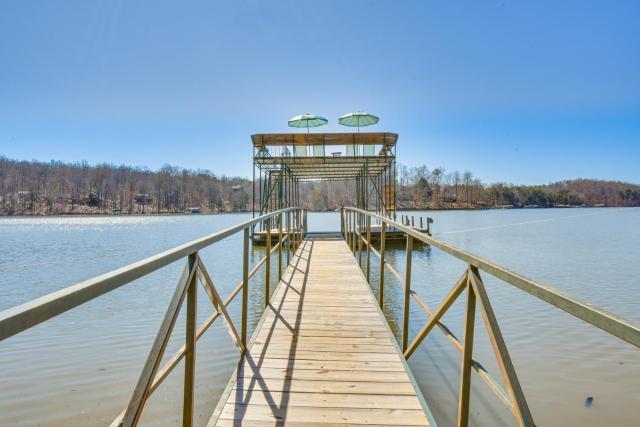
(383, 226)
(190, 346)
(407, 294)
(467, 354)
(245, 287)
(368, 247)
(267, 268)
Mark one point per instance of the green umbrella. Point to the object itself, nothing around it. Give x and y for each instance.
(358, 118)
(307, 121)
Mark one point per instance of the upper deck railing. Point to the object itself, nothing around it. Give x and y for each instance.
(269, 147)
(290, 226)
(356, 229)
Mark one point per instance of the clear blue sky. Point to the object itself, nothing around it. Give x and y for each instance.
(524, 93)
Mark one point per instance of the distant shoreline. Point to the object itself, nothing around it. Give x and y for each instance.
(131, 215)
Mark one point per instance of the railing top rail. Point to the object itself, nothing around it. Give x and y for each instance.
(19, 318)
(608, 322)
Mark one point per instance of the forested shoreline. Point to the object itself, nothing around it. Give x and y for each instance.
(55, 188)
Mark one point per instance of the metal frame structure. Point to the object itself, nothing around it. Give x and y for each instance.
(283, 161)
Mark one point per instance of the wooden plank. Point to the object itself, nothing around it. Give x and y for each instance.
(318, 386)
(349, 348)
(329, 355)
(331, 415)
(322, 353)
(327, 312)
(328, 326)
(340, 298)
(337, 365)
(325, 400)
(278, 423)
(280, 337)
(334, 321)
(318, 304)
(320, 332)
(324, 374)
(344, 315)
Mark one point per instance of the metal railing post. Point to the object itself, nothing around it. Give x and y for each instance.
(407, 294)
(306, 224)
(383, 226)
(347, 220)
(190, 346)
(289, 238)
(359, 234)
(347, 230)
(295, 230)
(299, 212)
(467, 354)
(280, 246)
(368, 247)
(353, 233)
(298, 230)
(267, 267)
(245, 287)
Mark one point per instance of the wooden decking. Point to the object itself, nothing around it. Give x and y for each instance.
(322, 353)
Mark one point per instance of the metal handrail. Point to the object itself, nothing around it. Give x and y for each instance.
(353, 221)
(607, 321)
(25, 316)
(19, 318)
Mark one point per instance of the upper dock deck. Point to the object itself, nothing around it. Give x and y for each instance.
(322, 352)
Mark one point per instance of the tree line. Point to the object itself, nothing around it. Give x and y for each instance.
(421, 188)
(58, 188)
(31, 187)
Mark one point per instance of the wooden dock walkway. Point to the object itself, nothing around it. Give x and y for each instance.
(322, 353)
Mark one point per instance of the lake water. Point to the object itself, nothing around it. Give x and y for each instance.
(80, 368)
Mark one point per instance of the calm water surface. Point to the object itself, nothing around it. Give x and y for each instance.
(80, 368)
